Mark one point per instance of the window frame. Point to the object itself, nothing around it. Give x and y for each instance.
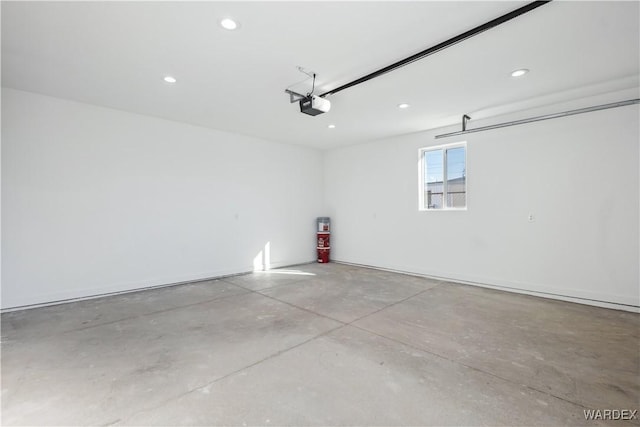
(421, 169)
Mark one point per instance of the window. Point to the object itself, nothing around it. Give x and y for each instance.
(443, 177)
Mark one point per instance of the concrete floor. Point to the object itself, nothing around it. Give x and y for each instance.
(318, 345)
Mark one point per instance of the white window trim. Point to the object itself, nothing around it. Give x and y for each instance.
(443, 147)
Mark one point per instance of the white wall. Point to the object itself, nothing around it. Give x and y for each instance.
(97, 200)
(578, 175)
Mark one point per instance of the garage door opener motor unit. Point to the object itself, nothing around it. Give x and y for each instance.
(309, 104)
(314, 105)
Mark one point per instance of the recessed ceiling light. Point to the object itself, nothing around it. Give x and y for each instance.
(519, 73)
(403, 106)
(229, 24)
(331, 126)
(170, 79)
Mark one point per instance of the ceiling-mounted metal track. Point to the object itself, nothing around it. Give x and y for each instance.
(540, 118)
(440, 46)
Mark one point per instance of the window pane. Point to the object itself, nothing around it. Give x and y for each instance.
(433, 173)
(456, 178)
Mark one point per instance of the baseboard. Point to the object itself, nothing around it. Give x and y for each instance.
(87, 294)
(230, 273)
(505, 287)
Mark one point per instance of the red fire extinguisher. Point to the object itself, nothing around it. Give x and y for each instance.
(323, 237)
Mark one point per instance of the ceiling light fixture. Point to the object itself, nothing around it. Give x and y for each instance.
(403, 106)
(519, 73)
(170, 79)
(228, 24)
(331, 126)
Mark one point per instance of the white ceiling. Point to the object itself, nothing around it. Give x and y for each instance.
(115, 54)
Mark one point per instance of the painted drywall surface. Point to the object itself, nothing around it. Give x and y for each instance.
(97, 200)
(577, 175)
